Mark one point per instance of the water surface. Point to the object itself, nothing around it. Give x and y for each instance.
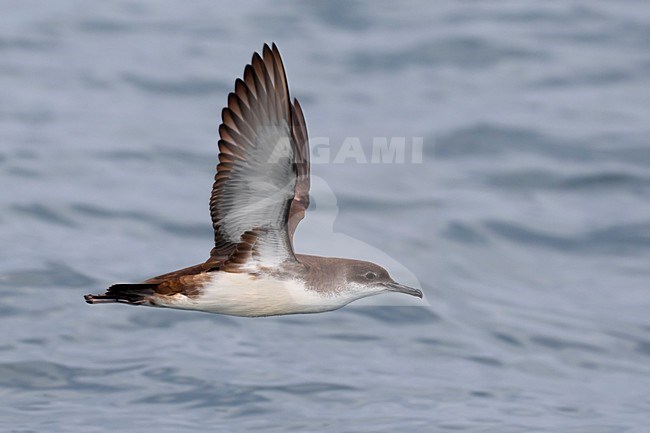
(527, 224)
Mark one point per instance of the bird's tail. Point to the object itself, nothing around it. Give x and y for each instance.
(134, 294)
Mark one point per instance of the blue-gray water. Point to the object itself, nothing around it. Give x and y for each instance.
(527, 224)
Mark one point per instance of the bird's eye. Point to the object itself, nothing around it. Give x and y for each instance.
(370, 275)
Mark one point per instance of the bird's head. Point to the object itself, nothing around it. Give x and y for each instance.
(368, 279)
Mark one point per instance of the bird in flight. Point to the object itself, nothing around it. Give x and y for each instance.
(260, 194)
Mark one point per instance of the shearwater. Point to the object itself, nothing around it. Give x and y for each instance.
(260, 194)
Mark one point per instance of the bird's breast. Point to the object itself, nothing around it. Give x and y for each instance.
(241, 294)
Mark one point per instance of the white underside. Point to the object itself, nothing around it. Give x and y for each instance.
(245, 295)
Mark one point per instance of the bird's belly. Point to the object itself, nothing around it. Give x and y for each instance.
(251, 296)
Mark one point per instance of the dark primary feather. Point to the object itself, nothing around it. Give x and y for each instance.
(300, 201)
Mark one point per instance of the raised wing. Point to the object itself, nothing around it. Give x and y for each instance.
(257, 175)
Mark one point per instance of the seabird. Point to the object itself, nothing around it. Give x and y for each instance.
(260, 194)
